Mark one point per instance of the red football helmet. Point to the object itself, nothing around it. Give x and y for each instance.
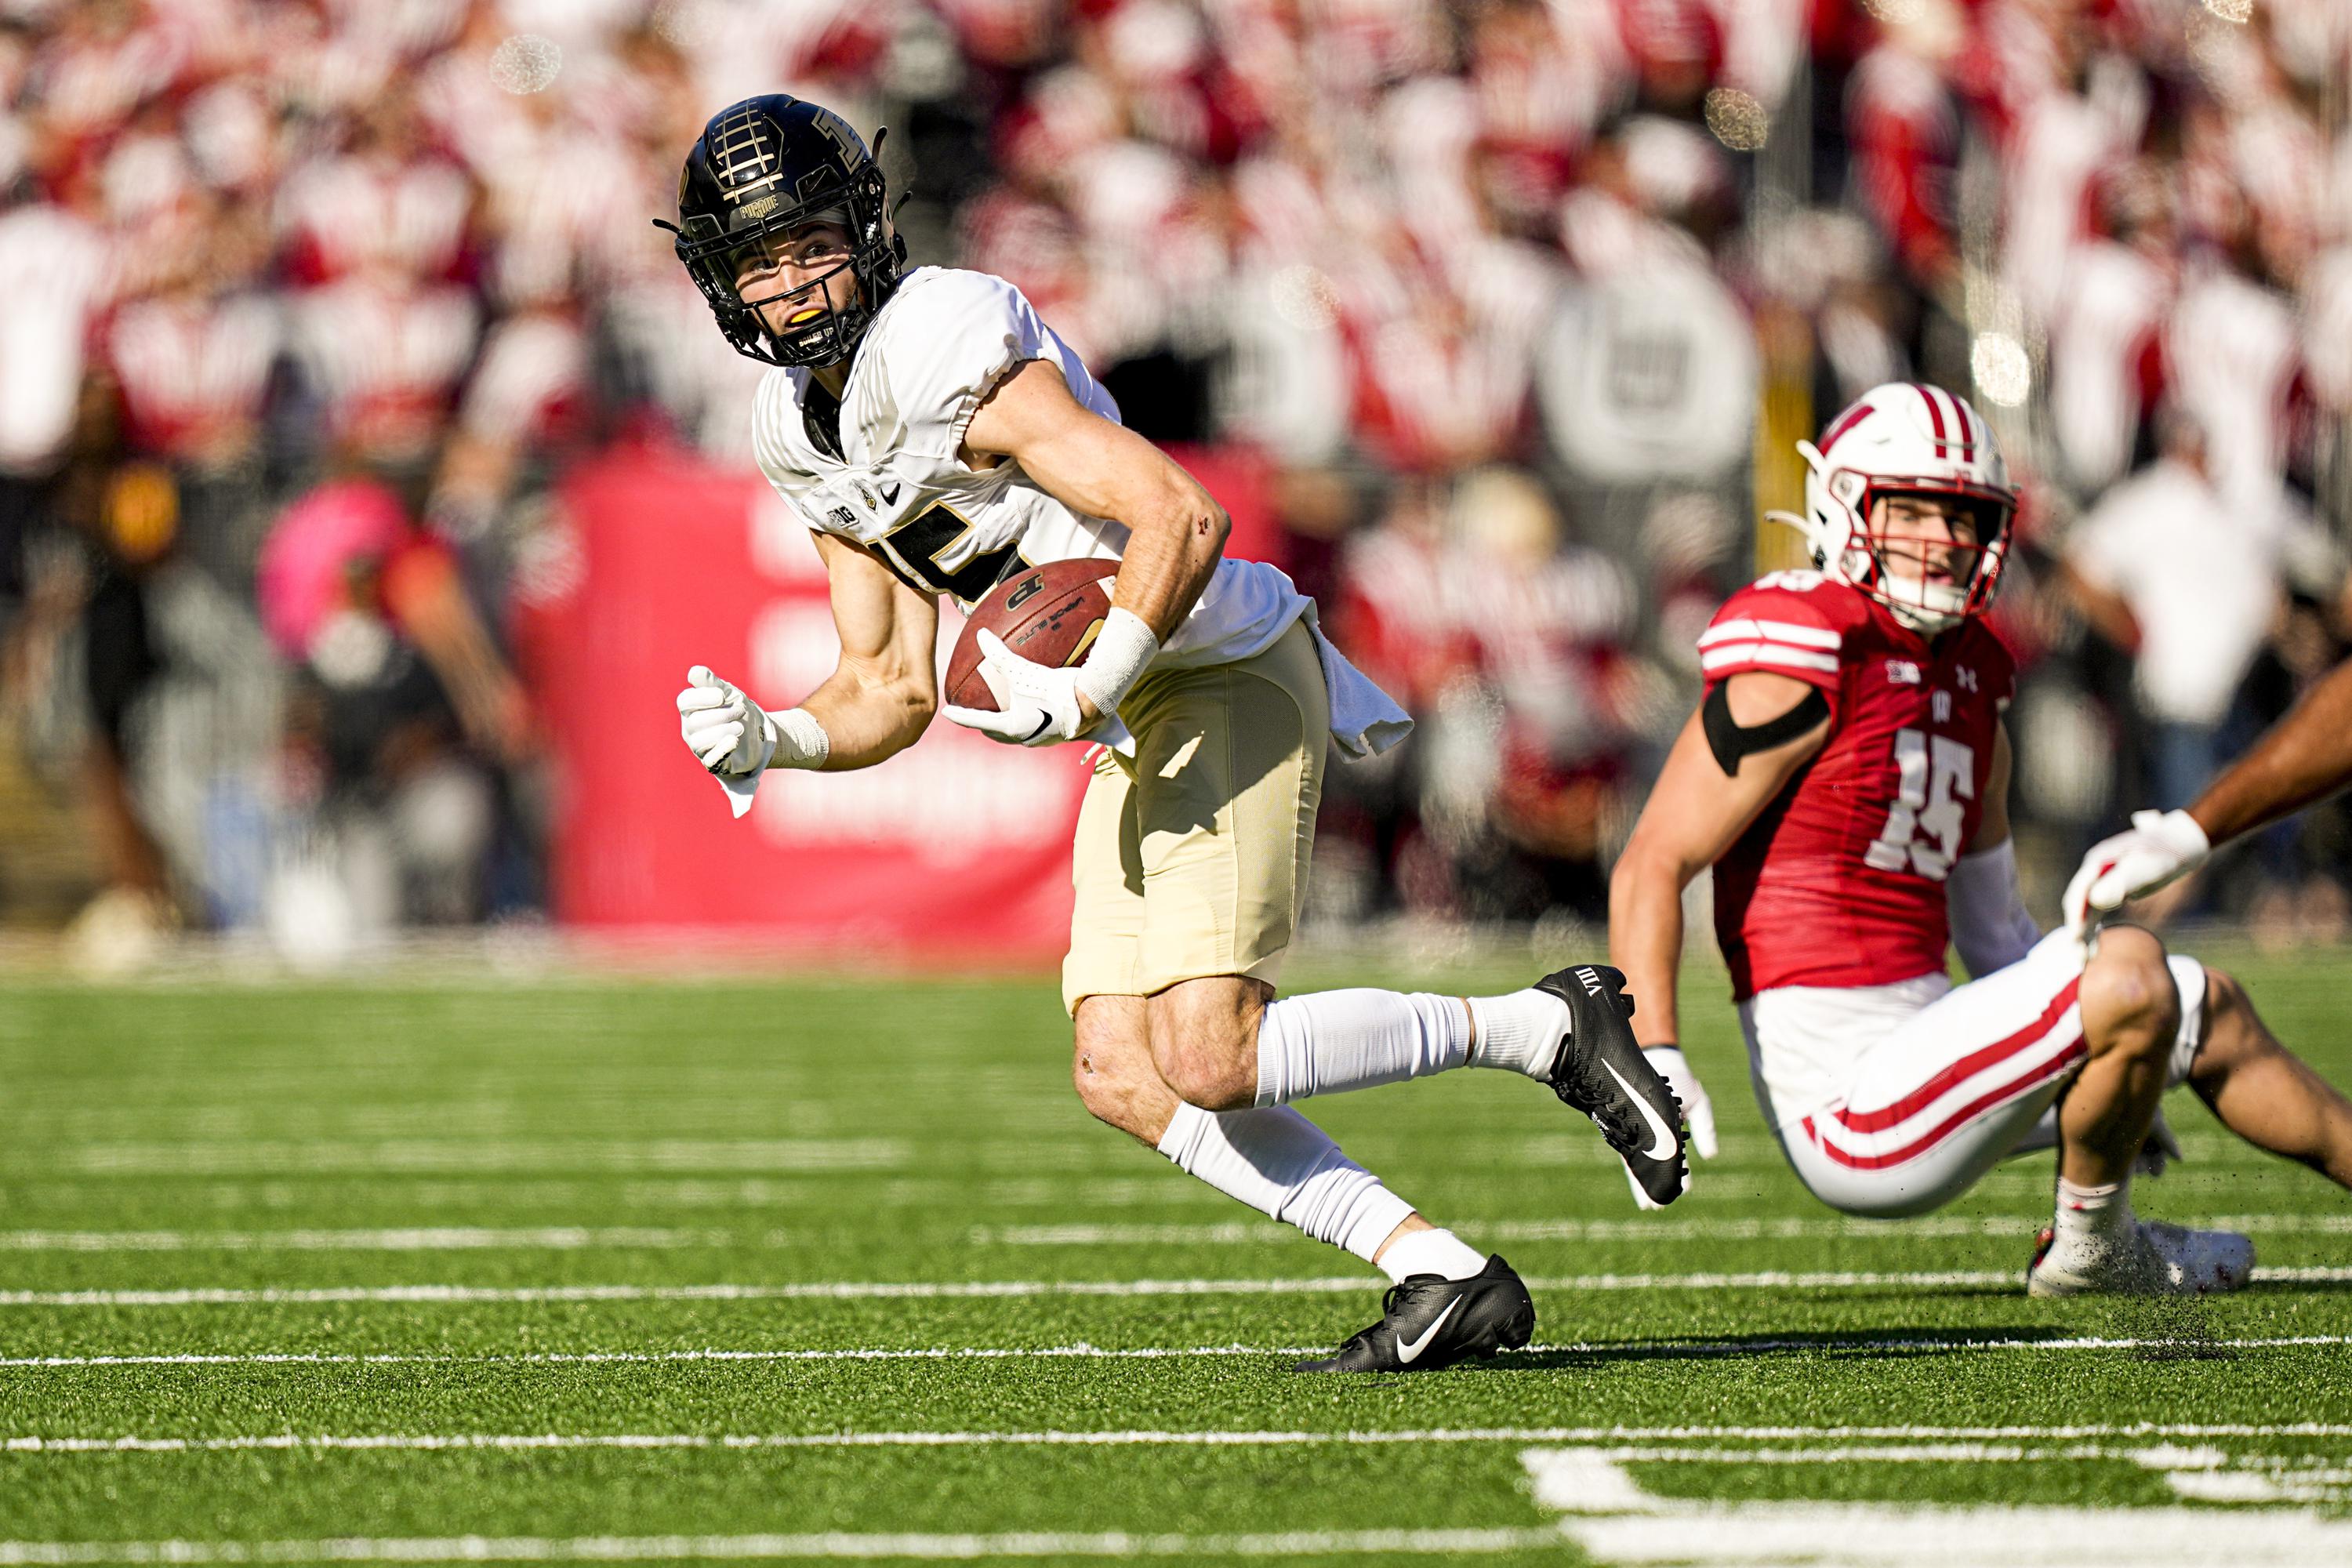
(1906, 439)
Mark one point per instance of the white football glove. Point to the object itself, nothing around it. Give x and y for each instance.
(1035, 705)
(727, 731)
(1698, 1112)
(2160, 846)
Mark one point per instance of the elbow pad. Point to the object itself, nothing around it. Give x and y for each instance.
(1990, 925)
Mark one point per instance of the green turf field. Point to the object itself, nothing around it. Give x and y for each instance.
(576, 1269)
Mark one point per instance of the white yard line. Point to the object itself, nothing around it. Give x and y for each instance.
(844, 1290)
(434, 1238)
(451, 1238)
(1888, 1341)
(456, 1155)
(1236, 1232)
(430, 1442)
(669, 1548)
(1615, 1520)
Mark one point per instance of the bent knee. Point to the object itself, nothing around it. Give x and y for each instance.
(1101, 1091)
(2126, 994)
(1112, 1069)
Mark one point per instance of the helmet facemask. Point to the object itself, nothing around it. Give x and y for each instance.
(816, 332)
(1934, 565)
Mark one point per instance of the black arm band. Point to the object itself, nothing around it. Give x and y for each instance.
(1729, 741)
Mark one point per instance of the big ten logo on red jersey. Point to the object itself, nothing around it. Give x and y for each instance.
(1936, 776)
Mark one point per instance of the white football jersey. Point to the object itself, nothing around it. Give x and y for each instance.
(896, 485)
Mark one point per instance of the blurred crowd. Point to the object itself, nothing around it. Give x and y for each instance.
(306, 305)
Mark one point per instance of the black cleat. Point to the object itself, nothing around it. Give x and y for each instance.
(1602, 1072)
(1428, 1322)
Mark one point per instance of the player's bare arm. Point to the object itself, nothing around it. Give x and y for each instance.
(877, 702)
(2305, 757)
(1098, 467)
(1695, 812)
(881, 695)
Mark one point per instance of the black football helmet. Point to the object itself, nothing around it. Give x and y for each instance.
(761, 169)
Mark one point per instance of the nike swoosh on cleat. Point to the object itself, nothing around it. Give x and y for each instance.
(1664, 1149)
(1409, 1350)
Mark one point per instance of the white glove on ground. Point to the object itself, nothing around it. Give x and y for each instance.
(1037, 705)
(1698, 1112)
(727, 731)
(2160, 846)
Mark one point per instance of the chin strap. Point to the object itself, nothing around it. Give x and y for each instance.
(1730, 740)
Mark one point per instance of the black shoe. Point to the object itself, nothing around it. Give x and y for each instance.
(1603, 1072)
(1428, 1322)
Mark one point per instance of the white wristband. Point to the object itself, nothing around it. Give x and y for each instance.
(801, 740)
(1125, 648)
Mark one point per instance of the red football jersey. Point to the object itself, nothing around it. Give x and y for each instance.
(1841, 880)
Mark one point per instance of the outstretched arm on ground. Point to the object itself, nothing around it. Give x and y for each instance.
(1695, 813)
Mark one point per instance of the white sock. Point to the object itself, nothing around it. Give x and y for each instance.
(1439, 1252)
(2092, 1213)
(1522, 1031)
(1283, 1166)
(1336, 1040)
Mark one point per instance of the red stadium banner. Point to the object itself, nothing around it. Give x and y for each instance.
(956, 848)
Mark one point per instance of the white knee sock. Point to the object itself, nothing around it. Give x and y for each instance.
(1282, 1165)
(1335, 1040)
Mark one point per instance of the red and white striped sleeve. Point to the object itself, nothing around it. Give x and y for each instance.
(1774, 630)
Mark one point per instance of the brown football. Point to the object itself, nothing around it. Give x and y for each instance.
(1049, 614)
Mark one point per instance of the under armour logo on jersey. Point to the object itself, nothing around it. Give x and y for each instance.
(1901, 672)
(1967, 678)
(1941, 703)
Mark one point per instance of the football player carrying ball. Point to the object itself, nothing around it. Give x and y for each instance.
(936, 436)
